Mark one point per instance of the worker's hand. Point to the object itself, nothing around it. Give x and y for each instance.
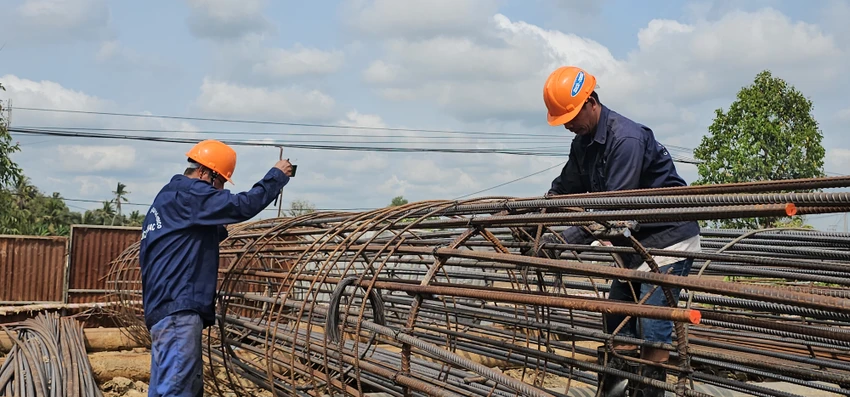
(551, 253)
(284, 166)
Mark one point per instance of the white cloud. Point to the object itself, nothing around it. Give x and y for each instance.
(83, 167)
(381, 72)
(286, 104)
(52, 21)
(123, 58)
(259, 61)
(418, 18)
(76, 158)
(837, 159)
(657, 29)
(282, 63)
(49, 95)
(357, 119)
(228, 19)
(677, 68)
(580, 7)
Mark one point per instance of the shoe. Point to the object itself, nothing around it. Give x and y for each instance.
(642, 389)
(610, 385)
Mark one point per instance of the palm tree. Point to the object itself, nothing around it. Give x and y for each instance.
(120, 193)
(136, 218)
(54, 210)
(24, 192)
(105, 212)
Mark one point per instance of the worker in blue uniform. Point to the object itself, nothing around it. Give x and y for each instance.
(179, 259)
(611, 152)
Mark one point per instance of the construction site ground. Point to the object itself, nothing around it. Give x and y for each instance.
(126, 372)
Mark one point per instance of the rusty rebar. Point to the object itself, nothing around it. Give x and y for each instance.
(425, 298)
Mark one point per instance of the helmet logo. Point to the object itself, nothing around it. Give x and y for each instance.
(578, 83)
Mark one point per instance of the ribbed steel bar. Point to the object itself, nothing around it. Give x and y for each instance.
(654, 202)
(427, 298)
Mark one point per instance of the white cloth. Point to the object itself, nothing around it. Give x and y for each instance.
(690, 245)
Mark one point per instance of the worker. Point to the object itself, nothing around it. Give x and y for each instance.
(611, 152)
(179, 259)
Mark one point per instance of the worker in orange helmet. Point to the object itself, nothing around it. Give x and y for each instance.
(611, 152)
(179, 259)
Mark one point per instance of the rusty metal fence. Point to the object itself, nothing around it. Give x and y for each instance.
(32, 268)
(72, 269)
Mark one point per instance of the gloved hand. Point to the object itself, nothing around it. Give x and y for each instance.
(551, 253)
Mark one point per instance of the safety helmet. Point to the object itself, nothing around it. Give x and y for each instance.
(216, 156)
(564, 93)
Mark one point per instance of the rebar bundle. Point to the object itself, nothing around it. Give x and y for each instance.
(48, 358)
(434, 298)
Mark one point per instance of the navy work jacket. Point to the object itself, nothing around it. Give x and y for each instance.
(622, 155)
(181, 233)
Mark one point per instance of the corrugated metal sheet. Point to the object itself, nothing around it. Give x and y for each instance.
(92, 248)
(32, 268)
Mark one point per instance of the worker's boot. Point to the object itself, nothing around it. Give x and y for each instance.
(642, 389)
(611, 385)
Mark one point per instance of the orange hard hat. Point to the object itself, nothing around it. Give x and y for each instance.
(564, 93)
(216, 156)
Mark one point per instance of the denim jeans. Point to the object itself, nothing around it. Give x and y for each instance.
(176, 357)
(652, 330)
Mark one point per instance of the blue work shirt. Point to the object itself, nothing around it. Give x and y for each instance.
(621, 155)
(179, 249)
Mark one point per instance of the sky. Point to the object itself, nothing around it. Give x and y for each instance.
(306, 69)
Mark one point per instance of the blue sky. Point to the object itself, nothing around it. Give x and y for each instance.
(462, 65)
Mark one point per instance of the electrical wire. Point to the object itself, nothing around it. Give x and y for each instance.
(506, 136)
(509, 182)
(267, 143)
(292, 124)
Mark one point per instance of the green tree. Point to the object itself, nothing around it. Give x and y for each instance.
(301, 207)
(135, 219)
(120, 193)
(398, 201)
(10, 174)
(9, 170)
(768, 133)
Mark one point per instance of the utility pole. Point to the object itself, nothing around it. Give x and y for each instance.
(9, 113)
(280, 197)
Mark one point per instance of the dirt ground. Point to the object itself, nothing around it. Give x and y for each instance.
(124, 387)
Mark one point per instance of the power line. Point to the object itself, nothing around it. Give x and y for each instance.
(81, 200)
(532, 151)
(286, 123)
(509, 182)
(520, 151)
(496, 135)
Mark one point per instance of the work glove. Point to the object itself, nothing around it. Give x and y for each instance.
(540, 252)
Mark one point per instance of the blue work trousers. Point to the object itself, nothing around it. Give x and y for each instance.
(176, 357)
(650, 329)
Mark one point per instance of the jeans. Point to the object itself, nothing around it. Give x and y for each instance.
(652, 330)
(176, 357)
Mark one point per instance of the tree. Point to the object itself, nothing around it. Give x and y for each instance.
(9, 170)
(10, 175)
(120, 193)
(301, 207)
(135, 219)
(768, 133)
(398, 201)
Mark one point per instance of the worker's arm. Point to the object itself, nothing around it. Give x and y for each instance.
(222, 233)
(569, 181)
(220, 207)
(625, 164)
